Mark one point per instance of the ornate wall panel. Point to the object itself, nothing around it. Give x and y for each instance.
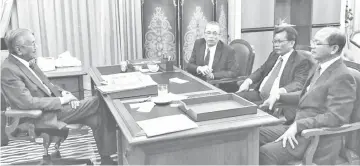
(195, 14)
(222, 18)
(159, 28)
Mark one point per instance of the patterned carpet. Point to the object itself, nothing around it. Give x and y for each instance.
(78, 146)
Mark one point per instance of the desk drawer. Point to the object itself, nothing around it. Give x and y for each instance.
(70, 84)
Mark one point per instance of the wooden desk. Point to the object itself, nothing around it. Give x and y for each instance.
(233, 140)
(68, 78)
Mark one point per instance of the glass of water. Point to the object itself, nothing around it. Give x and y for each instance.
(162, 89)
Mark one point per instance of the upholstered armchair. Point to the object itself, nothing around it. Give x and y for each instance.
(244, 55)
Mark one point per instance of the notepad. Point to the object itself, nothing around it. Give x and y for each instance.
(166, 124)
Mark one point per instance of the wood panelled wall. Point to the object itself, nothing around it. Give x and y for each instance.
(258, 18)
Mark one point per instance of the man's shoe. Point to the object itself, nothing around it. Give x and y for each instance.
(4, 142)
(55, 155)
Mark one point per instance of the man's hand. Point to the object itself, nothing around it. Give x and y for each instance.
(74, 104)
(67, 97)
(210, 76)
(204, 70)
(245, 85)
(270, 101)
(289, 136)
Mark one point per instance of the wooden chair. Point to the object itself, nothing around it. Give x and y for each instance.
(349, 154)
(17, 130)
(245, 56)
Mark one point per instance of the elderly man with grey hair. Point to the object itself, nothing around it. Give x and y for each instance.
(26, 87)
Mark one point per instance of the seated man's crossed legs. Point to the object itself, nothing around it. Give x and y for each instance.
(94, 113)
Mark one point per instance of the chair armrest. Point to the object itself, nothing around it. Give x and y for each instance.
(23, 113)
(227, 80)
(328, 131)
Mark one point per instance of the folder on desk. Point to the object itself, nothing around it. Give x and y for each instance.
(166, 124)
(124, 85)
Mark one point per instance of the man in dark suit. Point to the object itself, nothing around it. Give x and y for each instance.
(211, 58)
(326, 100)
(284, 71)
(26, 87)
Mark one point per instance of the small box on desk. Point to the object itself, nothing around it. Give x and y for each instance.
(216, 107)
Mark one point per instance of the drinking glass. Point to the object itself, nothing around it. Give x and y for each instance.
(162, 89)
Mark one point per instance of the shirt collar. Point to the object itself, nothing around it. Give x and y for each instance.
(286, 56)
(26, 63)
(213, 48)
(326, 64)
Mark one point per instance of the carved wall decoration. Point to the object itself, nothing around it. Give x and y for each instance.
(195, 30)
(159, 40)
(223, 25)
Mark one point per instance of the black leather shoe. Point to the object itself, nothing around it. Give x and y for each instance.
(56, 155)
(4, 142)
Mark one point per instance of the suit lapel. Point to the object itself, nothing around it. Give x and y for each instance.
(218, 53)
(287, 69)
(323, 77)
(28, 74)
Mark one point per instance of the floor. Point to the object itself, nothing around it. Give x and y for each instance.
(77, 146)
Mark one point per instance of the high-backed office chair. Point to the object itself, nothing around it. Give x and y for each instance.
(17, 130)
(244, 56)
(350, 152)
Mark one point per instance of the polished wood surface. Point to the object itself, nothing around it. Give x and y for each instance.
(233, 140)
(68, 78)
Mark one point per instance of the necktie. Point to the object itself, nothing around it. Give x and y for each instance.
(207, 56)
(265, 91)
(315, 77)
(46, 82)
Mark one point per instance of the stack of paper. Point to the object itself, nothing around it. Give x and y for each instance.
(178, 80)
(166, 124)
(126, 81)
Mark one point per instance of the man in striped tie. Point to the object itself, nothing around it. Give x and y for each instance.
(285, 70)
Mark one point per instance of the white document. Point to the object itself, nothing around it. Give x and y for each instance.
(166, 124)
(178, 80)
(176, 97)
(125, 81)
(143, 107)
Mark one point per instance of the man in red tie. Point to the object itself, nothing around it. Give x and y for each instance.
(284, 71)
(211, 58)
(26, 87)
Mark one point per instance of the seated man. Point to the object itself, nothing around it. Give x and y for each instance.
(211, 58)
(26, 87)
(284, 71)
(327, 100)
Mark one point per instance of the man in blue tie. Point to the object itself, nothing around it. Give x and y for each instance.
(211, 58)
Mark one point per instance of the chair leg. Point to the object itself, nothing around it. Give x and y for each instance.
(57, 154)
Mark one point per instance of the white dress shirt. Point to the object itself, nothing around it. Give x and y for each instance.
(324, 66)
(275, 87)
(212, 55)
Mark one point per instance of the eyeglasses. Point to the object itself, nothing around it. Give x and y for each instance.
(33, 45)
(214, 33)
(317, 43)
(279, 41)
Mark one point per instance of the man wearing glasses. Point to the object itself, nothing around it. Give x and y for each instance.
(26, 87)
(211, 58)
(284, 71)
(327, 100)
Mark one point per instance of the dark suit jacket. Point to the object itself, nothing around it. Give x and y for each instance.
(294, 74)
(328, 103)
(24, 91)
(224, 65)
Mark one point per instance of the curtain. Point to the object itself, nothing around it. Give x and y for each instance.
(5, 14)
(97, 32)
